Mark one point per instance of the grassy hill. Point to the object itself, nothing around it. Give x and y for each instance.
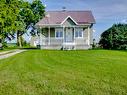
(42, 72)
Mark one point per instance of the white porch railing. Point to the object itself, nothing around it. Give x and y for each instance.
(61, 41)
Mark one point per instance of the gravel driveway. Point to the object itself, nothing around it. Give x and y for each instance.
(7, 54)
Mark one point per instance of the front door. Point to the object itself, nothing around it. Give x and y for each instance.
(69, 35)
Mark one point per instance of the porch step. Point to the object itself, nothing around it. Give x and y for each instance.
(69, 46)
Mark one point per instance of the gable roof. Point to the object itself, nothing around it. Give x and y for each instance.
(57, 17)
(69, 17)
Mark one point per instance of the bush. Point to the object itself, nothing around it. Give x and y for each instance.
(115, 37)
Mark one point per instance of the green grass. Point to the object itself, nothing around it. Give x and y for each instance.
(38, 72)
(6, 49)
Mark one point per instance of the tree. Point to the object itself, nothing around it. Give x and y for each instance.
(9, 9)
(115, 37)
(29, 15)
(18, 16)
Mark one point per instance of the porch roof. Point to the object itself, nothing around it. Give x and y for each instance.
(57, 17)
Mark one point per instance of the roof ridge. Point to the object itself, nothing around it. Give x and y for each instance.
(70, 11)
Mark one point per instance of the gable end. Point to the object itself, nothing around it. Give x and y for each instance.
(70, 20)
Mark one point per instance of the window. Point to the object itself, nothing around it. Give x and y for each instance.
(76, 33)
(79, 33)
(58, 33)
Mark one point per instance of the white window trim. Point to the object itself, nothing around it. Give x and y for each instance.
(58, 30)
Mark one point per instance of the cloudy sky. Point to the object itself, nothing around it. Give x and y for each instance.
(106, 12)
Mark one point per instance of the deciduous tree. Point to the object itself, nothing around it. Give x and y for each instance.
(9, 9)
(115, 37)
(30, 14)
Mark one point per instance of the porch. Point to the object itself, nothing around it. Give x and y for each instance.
(60, 43)
(64, 38)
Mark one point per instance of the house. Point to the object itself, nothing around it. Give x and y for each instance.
(66, 30)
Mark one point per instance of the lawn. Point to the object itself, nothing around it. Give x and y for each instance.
(43, 72)
(6, 49)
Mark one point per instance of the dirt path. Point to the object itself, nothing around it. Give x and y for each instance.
(7, 54)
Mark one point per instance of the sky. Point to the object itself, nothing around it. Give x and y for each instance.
(106, 12)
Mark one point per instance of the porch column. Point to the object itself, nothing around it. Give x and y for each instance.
(49, 36)
(88, 35)
(74, 39)
(63, 34)
(74, 34)
(40, 37)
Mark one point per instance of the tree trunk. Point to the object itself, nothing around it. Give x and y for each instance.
(19, 42)
(2, 43)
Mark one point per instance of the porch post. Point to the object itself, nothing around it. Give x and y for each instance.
(74, 34)
(40, 38)
(63, 39)
(74, 39)
(63, 34)
(49, 36)
(88, 35)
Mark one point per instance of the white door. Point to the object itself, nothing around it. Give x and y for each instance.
(69, 35)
